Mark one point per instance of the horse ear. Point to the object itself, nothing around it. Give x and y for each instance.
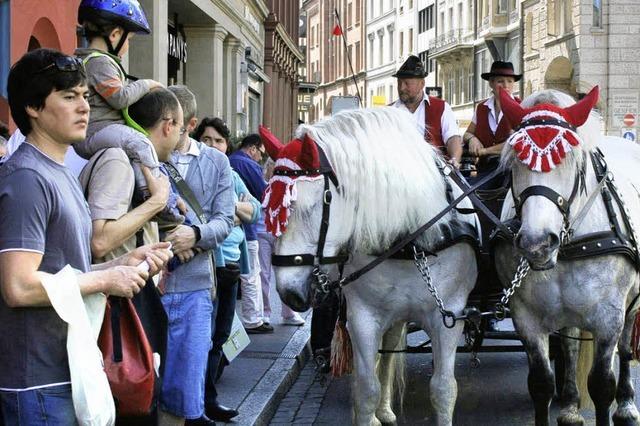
(511, 109)
(271, 143)
(578, 113)
(309, 157)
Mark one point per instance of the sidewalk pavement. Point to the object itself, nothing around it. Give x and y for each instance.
(257, 380)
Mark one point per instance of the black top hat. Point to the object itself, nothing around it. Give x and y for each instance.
(501, 69)
(412, 68)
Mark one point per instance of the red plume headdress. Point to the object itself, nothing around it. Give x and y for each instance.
(296, 156)
(546, 132)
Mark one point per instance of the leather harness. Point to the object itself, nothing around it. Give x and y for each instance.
(594, 244)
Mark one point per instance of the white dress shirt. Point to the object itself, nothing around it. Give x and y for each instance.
(493, 120)
(182, 161)
(448, 123)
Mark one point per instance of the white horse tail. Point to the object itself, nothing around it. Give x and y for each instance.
(341, 350)
(585, 361)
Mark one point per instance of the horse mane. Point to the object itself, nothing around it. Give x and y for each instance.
(390, 182)
(590, 132)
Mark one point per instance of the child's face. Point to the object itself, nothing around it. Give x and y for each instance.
(115, 37)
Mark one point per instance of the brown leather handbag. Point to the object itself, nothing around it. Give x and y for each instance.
(128, 358)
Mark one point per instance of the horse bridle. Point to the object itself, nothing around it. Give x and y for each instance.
(307, 259)
(558, 200)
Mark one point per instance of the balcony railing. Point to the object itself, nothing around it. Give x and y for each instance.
(451, 39)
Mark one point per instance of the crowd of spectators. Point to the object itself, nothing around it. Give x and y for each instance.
(105, 174)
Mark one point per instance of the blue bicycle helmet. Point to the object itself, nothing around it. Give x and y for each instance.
(127, 14)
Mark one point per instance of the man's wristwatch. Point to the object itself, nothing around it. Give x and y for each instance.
(197, 232)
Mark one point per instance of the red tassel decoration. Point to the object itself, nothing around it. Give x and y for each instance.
(555, 155)
(561, 150)
(524, 153)
(518, 146)
(341, 350)
(545, 166)
(635, 337)
(571, 139)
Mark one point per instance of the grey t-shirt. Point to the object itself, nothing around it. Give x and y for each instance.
(43, 211)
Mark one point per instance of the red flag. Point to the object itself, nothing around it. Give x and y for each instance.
(337, 31)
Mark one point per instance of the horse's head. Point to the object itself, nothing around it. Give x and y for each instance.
(548, 171)
(298, 196)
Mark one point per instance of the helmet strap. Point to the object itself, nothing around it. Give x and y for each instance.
(117, 49)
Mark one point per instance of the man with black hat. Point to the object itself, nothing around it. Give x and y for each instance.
(434, 116)
(489, 129)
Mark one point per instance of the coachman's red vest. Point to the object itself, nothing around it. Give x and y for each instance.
(483, 131)
(433, 111)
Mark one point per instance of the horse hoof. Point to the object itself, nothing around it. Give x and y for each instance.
(626, 415)
(625, 422)
(386, 417)
(570, 419)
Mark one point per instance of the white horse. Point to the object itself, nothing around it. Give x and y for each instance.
(561, 292)
(389, 186)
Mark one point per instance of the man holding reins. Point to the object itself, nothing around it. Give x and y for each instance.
(434, 116)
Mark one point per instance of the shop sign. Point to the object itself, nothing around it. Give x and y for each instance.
(177, 47)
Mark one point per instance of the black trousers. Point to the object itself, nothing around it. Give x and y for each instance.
(221, 322)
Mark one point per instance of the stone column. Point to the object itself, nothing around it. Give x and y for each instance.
(231, 77)
(241, 112)
(269, 92)
(219, 77)
(148, 53)
(201, 68)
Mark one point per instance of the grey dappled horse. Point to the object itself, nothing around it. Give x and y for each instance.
(390, 185)
(591, 293)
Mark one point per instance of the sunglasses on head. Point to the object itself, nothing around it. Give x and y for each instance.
(64, 63)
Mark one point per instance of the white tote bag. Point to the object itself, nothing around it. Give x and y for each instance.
(92, 399)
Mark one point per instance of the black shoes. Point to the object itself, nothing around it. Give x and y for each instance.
(262, 329)
(219, 412)
(202, 421)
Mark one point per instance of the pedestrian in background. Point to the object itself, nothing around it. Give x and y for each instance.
(232, 259)
(266, 242)
(246, 161)
(207, 187)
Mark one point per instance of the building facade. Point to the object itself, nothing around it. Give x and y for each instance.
(574, 45)
(29, 24)
(215, 48)
(282, 59)
(335, 62)
(425, 24)
(381, 51)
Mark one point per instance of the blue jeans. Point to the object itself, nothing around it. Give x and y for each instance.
(38, 407)
(221, 320)
(188, 343)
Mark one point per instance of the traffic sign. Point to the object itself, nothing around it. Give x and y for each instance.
(630, 135)
(629, 119)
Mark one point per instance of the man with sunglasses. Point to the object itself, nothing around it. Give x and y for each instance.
(44, 226)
